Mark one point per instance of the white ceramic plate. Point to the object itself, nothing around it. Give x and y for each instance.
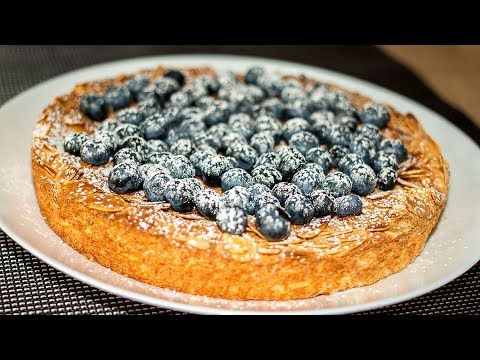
(451, 250)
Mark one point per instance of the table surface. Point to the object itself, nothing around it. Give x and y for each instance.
(30, 286)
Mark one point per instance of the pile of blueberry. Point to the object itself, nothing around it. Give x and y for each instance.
(278, 150)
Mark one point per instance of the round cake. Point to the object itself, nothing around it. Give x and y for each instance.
(323, 189)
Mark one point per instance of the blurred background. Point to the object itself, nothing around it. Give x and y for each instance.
(452, 71)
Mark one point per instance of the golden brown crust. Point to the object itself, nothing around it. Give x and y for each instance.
(185, 252)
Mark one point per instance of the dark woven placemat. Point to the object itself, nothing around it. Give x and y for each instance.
(29, 286)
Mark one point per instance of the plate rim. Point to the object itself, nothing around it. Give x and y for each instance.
(202, 309)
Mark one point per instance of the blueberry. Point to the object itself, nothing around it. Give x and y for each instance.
(266, 175)
(259, 189)
(271, 107)
(339, 135)
(74, 142)
(204, 102)
(127, 155)
(300, 209)
(240, 103)
(290, 162)
(160, 158)
(238, 196)
(212, 169)
(109, 125)
(195, 92)
(180, 167)
(319, 156)
(211, 84)
(154, 127)
(318, 100)
(117, 97)
(136, 143)
(180, 194)
(232, 138)
(232, 219)
(384, 160)
(94, 152)
(235, 177)
(290, 94)
(270, 158)
(375, 114)
(127, 130)
(148, 95)
(227, 79)
(334, 98)
(314, 167)
(199, 156)
(364, 148)
(172, 116)
(216, 113)
(130, 116)
(154, 185)
(253, 74)
(263, 142)
(148, 109)
(322, 116)
(322, 202)
(219, 130)
(242, 124)
(348, 121)
(154, 145)
(282, 191)
(147, 170)
(109, 139)
(273, 223)
(245, 155)
(348, 205)
(183, 147)
(348, 162)
(164, 88)
(371, 132)
(262, 200)
(267, 123)
(270, 85)
(284, 150)
(337, 184)
(196, 184)
(124, 177)
(386, 179)
(254, 93)
(337, 153)
(232, 161)
(363, 179)
(176, 75)
(179, 100)
(204, 138)
(136, 84)
(207, 202)
(296, 108)
(94, 106)
(345, 107)
(308, 181)
(294, 126)
(321, 126)
(192, 126)
(395, 147)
